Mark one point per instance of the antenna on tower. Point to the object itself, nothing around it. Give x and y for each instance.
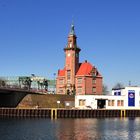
(72, 19)
(129, 83)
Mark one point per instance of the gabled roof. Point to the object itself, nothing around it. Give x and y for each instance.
(85, 69)
(99, 75)
(61, 72)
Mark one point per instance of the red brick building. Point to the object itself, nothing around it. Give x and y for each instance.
(77, 78)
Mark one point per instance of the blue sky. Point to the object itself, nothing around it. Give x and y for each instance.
(33, 34)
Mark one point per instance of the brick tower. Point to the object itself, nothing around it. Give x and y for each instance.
(71, 61)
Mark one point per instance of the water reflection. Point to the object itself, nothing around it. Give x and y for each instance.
(96, 129)
(70, 129)
(77, 129)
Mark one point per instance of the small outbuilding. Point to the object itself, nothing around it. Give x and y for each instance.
(123, 98)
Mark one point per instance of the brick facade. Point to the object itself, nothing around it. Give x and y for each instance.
(77, 78)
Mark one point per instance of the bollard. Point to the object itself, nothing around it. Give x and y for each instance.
(123, 113)
(54, 113)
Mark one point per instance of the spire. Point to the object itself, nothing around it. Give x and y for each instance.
(72, 31)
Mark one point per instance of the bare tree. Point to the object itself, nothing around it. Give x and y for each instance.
(105, 89)
(118, 86)
(2, 83)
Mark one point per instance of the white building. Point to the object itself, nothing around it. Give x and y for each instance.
(124, 98)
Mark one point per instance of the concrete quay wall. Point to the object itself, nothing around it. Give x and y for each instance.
(55, 113)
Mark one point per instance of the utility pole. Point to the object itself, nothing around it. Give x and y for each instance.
(129, 83)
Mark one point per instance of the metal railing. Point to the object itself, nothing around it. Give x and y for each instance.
(28, 83)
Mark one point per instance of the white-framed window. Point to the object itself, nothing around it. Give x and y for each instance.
(61, 90)
(61, 81)
(79, 80)
(111, 102)
(94, 89)
(120, 102)
(79, 90)
(93, 81)
(82, 102)
(68, 81)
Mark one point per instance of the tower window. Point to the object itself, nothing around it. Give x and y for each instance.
(94, 81)
(68, 75)
(70, 45)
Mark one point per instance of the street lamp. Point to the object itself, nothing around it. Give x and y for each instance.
(54, 82)
(67, 105)
(58, 102)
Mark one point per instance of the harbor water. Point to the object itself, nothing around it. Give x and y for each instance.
(70, 129)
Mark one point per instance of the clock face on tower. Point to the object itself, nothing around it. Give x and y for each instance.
(68, 54)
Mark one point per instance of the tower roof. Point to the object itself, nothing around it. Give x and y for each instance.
(72, 31)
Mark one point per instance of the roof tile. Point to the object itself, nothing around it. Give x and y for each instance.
(61, 72)
(85, 69)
